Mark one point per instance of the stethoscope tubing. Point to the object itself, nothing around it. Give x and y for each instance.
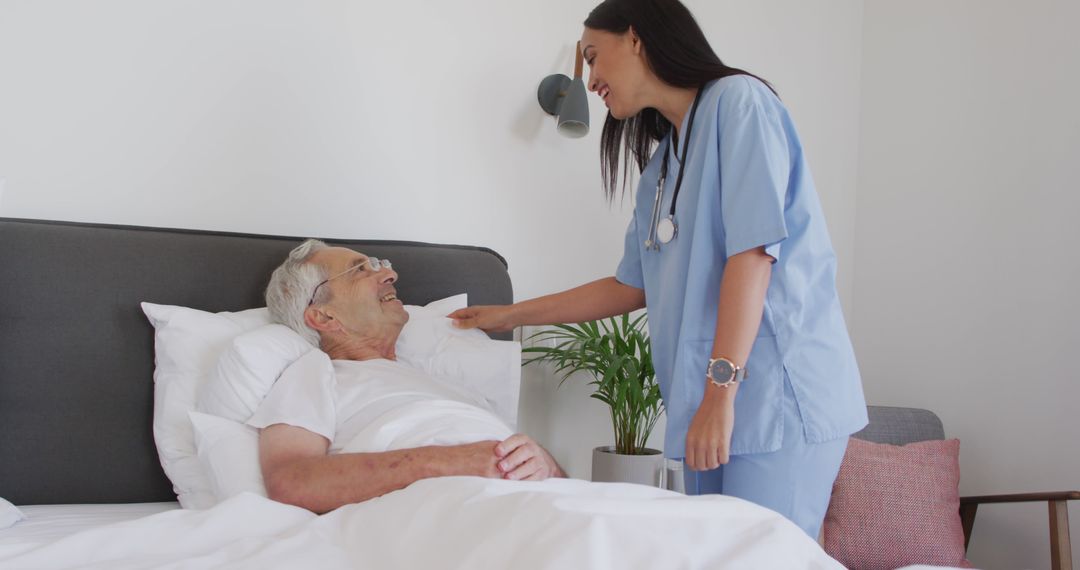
(654, 222)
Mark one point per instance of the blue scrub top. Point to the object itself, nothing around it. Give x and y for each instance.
(746, 185)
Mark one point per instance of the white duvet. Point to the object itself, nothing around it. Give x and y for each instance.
(453, 522)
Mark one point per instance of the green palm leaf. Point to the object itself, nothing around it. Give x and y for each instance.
(615, 356)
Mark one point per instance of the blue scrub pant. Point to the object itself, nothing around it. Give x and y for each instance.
(795, 481)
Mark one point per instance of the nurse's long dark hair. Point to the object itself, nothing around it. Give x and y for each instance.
(678, 54)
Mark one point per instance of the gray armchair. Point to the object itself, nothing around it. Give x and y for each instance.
(899, 426)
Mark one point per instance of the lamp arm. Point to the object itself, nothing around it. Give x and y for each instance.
(578, 61)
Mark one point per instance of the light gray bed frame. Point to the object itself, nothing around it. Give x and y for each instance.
(77, 354)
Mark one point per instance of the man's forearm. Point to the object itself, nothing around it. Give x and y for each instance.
(324, 483)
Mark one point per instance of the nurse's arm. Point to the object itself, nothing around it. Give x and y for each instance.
(742, 301)
(597, 300)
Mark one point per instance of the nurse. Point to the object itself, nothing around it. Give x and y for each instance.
(729, 252)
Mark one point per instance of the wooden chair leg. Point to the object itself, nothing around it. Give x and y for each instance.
(1060, 545)
(967, 519)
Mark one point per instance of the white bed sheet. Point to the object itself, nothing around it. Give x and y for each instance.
(451, 522)
(47, 523)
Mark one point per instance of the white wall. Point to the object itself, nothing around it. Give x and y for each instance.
(387, 120)
(328, 118)
(966, 271)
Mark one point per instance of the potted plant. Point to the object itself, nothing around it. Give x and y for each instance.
(616, 355)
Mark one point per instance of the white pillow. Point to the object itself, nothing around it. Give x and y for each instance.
(9, 514)
(487, 369)
(428, 326)
(247, 370)
(229, 455)
(187, 345)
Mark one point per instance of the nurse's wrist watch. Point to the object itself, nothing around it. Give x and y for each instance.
(723, 372)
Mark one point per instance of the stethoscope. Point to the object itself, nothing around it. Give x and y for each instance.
(666, 229)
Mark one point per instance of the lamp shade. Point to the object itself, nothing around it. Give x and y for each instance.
(566, 98)
(574, 111)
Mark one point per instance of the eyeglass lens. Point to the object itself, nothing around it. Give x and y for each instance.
(377, 264)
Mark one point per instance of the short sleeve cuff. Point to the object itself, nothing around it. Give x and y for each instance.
(629, 275)
(260, 423)
(770, 240)
(773, 251)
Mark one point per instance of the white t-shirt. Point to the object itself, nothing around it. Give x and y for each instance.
(376, 405)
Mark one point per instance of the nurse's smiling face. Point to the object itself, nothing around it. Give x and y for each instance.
(618, 71)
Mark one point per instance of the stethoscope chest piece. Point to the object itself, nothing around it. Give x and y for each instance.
(666, 230)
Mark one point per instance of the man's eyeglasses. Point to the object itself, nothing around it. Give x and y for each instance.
(375, 263)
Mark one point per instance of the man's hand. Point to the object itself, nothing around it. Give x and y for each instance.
(708, 440)
(477, 459)
(488, 318)
(521, 458)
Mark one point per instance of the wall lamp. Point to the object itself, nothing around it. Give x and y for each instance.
(566, 98)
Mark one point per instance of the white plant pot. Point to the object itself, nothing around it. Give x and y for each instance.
(611, 467)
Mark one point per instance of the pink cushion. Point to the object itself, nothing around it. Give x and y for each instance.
(896, 505)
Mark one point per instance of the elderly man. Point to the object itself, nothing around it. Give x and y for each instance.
(345, 303)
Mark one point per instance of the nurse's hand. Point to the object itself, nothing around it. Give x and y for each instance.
(488, 318)
(709, 437)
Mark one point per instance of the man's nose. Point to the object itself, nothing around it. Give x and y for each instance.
(388, 276)
(592, 84)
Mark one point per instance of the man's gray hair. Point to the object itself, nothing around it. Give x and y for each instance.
(291, 286)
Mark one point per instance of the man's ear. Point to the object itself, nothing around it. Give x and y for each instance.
(320, 320)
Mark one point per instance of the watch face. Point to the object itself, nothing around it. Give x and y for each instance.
(722, 371)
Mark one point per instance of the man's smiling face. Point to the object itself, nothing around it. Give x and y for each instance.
(361, 297)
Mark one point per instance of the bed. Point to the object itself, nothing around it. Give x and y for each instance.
(81, 470)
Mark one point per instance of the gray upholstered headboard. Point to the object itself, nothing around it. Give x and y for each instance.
(77, 354)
